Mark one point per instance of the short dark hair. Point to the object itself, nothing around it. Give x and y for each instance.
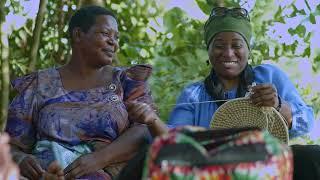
(85, 17)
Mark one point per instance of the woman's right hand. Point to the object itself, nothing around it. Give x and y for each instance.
(141, 112)
(30, 168)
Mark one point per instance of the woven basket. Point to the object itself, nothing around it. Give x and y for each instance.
(241, 113)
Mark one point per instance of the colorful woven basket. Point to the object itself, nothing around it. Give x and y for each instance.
(225, 154)
(240, 112)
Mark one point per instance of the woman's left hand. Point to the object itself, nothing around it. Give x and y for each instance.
(264, 95)
(84, 165)
(55, 172)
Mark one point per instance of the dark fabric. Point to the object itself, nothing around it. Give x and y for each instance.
(306, 160)
(227, 23)
(215, 88)
(134, 168)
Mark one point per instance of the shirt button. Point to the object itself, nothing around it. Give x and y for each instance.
(114, 98)
(112, 87)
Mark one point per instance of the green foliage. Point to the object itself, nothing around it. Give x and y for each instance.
(54, 50)
(180, 57)
(136, 45)
(170, 40)
(204, 6)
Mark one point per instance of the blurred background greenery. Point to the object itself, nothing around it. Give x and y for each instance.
(169, 35)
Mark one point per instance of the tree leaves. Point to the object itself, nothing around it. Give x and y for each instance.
(169, 40)
(203, 5)
(312, 19)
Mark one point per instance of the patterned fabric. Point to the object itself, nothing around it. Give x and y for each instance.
(190, 112)
(64, 154)
(45, 111)
(250, 154)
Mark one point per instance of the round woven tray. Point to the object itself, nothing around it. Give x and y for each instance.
(241, 113)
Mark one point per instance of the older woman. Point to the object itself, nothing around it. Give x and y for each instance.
(75, 114)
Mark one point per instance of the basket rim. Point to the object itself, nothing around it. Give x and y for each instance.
(281, 122)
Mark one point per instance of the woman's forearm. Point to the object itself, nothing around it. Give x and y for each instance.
(125, 146)
(285, 111)
(157, 128)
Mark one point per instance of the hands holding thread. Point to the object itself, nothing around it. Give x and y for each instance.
(264, 95)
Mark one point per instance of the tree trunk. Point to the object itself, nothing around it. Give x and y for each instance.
(5, 77)
(36, 35)
(60, 57)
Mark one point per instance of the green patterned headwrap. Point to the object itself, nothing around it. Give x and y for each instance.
(227, 23)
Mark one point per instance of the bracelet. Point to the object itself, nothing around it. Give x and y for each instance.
(279, 104)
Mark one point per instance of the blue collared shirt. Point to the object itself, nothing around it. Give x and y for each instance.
(200, 114)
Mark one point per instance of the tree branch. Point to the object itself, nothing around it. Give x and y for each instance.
(5, 72)
(36, 35)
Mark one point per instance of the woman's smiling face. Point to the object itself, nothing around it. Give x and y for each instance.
(228, 54)
(100, 43)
